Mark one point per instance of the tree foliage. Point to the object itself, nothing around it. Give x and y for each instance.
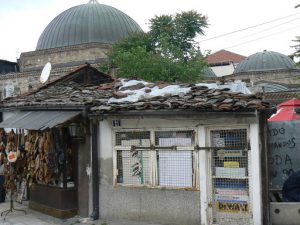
(168, 52)
(297, 47)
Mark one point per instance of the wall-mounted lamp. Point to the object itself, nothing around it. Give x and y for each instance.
(77, 131)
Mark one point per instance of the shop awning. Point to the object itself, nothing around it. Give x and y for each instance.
(38, 120)
(286, 111)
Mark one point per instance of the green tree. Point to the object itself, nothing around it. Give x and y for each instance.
(168, 52)
(296, 54)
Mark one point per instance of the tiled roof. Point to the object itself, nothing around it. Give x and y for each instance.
(224, 56)
(199, 98)
(66, 92)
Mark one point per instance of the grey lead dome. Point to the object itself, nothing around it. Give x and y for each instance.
(265, 61)
(87, 23)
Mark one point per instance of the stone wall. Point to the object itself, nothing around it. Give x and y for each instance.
(62, 57)
(63, 61)
(278, 76)
(26, 81)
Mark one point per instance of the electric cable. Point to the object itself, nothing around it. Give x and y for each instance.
(243, 29)
(246, 42)
(267, 29)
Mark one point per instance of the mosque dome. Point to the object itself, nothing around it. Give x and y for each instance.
(87, 23)
(208, 72)
(265, 61)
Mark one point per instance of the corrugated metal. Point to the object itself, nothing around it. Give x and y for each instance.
(38, 120)
(87, 23)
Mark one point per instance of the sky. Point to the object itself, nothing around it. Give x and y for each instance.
(239, 26)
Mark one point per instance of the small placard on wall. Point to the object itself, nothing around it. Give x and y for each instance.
(231, 164)
(116, 123)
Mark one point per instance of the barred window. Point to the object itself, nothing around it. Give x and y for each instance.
(170, 161)
(175, 167)
(133, 165)
(135, 138)
(230, 177)
(174, 138)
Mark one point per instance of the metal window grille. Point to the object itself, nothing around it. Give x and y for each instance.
(133, 164)
(133, 167)
(170, 162)
(133, 138)
(175, 167)
(230, 199)
(174, 138)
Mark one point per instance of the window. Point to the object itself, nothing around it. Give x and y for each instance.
(230, 175)
(156, 158)
(133, 157)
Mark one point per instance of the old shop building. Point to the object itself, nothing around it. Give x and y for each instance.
(176, 154)
(60, 184)
(169, 157)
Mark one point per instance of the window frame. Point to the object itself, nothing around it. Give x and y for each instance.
(154, 149)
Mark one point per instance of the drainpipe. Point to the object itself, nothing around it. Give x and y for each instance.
(95, 169)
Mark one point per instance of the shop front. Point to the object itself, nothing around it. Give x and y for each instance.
(179, 170)
(58, 141)
(47, 159)
(192, 156)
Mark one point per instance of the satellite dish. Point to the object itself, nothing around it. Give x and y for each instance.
(45, 73)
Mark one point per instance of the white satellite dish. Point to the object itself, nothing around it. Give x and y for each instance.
(45, 73)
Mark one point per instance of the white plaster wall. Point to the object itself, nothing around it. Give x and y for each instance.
(140, 122)
(255, 169)
(105, 137)
(223, 70)
(155, 204)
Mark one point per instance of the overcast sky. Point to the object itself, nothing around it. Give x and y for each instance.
(22, 22)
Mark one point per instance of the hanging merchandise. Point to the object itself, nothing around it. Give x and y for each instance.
(47, 159)
(38, 158)
(11, 154)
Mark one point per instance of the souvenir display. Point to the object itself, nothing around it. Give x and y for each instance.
(36, 157)
(46, 159)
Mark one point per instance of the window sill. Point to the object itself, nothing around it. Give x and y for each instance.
(157, 187)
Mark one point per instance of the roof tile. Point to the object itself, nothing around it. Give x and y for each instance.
(224, 56)
(96, 98)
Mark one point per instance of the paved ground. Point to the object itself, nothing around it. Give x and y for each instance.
(35, 218)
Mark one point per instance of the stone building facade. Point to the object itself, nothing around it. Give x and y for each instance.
(289, 77)
(92, 29)
(268, 71)
(66, 56)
